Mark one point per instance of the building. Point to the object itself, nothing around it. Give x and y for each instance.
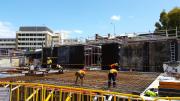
(6, 45)
(56, 39)
(70, 41)
(33, 37)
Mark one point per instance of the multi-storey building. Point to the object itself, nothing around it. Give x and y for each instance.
(56, 39)
(33, 37)
(6, 45)
(70, 41)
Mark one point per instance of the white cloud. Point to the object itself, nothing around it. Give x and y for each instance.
(115, 17)
(6, 30)
(78, 31)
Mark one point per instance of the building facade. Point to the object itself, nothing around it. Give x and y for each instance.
(56, 39)
(70, 41)
(6, 45)
(33, 37)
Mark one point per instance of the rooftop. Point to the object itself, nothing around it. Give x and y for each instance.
(35, 28)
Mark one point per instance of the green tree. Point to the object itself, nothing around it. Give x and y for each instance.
(169, 20)
(174, 18)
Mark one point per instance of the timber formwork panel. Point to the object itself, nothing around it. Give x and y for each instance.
(63, 55)
(159, 53)
(46, 53)
(146, 49)
(76, 56)
(146, 56)
(70, 56)
(110, 54)
(131, 57)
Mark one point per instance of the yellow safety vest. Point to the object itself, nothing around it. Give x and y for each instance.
(150, 93)
(82, 72)
(49, 61)
(113, 71)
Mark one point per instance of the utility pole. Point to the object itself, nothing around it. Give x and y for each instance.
(176, 32)
(114, 27)
(167, 33)
(42, 53)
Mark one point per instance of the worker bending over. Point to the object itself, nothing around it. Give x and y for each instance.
(80, 74)
(49, 62)
(112, 76)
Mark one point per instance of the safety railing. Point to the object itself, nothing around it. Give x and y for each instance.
(44, 92)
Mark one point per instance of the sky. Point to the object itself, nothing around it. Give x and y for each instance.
(83, 18)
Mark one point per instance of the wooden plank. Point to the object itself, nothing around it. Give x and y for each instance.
(170, 86)
(170, 83)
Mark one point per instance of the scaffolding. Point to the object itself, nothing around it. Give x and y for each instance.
(92, 55)
(169, 32)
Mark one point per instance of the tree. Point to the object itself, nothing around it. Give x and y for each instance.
(174, 18)
(169, 20)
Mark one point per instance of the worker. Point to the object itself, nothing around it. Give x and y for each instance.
(151, 93)
(112, 76)
(31, 69)
(80, 74)
(49, 62)
(60, 68)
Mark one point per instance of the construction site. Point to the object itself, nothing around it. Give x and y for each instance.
(140, 62)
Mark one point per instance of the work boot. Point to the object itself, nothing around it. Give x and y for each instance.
(114, 84)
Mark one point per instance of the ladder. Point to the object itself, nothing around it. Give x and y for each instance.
(173, 51)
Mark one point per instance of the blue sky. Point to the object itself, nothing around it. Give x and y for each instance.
(83, 18)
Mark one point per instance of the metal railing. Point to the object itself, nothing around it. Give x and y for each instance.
(44, 92)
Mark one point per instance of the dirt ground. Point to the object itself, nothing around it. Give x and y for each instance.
(127, 82)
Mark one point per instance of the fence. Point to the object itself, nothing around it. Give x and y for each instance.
(45, 92)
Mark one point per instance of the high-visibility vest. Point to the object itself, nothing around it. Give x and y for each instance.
(49, 61)
(82, 72)
(150, 93)
(113, 71)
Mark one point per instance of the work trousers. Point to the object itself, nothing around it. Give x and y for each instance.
(111, 77)
(48, 67)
